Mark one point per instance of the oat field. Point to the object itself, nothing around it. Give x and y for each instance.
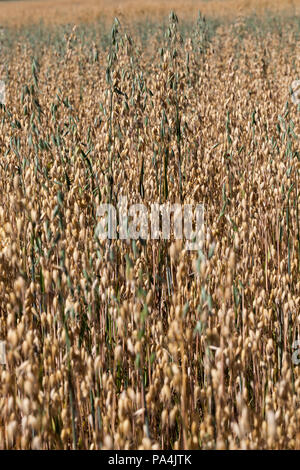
(141, 344)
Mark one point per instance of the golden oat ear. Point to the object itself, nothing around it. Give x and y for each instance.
(2, 92)
(2, 353)
(295, 86)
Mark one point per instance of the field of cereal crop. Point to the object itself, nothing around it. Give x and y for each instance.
(133, 341)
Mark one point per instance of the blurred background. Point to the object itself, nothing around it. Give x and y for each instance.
(17, 13)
